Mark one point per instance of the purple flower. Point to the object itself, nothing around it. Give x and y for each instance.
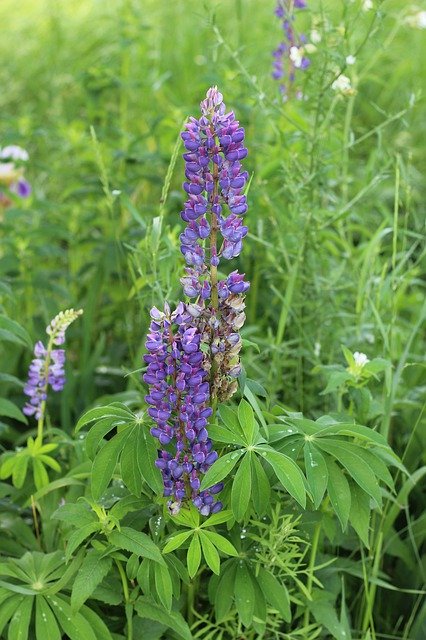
(289, 56)
(178, 396)
(11, 174)
(47, 368)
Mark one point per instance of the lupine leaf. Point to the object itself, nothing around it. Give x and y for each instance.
(97, 433)
(163, 585)
(136, 542)
(146, 608)
(275, 593)
(110, 411)
(75, 626)
(221, 543)
(287, 472)
(225, 591)
(96, 624)
(105, 463)
(244, 594)
(247, 421)
(338, 491)
(45, 622)
(77, 537)
(193, 558)
(261, 489)
(92, 571)
(230, 419)
(176, 541)
(316, 472)
(10, 410)
(356, 466)
(241, 488)
(20, 622)
(359, 515)
(210, 552)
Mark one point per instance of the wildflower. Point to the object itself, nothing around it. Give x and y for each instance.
(11, 173)
(350, 60)
(315, 36)
(290, 53)
(47, 368)
(342, 85)
(357, 363)
(360, 359)
(417, 20)
(367, 5)
(179, 395)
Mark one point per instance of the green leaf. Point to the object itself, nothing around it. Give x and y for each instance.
(41, 479)
(11, 331)
(241, 488)
(110, 411)
(224, 595)
(221, 434)
(338, 491)
(20, 470)
(221, 468)
(359, 515)
(247, 421)
(132, 461)
(316, 472)
(176, 541)
(261, 489)
(287, 472)
(10, 410)
(96, 435)
(77, 514)
(376, 463)
(336, 380)
(210, 553)
(136, 542)
(105, 463)
(92, 571)
(45, 622)
(193, 558)
(230, 420)
(147, 609)
(244, 594)
(20, 622)
(8, 609)
(74, 625)
(356, 466)
(77, 537)
(148, 454)
(96, 624)
(163, 585)
(217, 518)
(275, 593)
(221, 543)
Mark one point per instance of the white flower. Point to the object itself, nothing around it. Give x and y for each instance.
(417, 20)
(317, 349)
(296, 56)
(360, 359)
(342, 84)
(350, 59)
(13, 152)
(367, 5)
(315, 36)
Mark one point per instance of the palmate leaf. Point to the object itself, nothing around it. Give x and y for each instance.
(221, 468)
(275, 593)
(359, 514)
(146, 608)
(241, 488)
(114, 410)
(355, 465)
(287, 472)
(244, 594)
(163, 585)
(193, 558)
(20, 622)
(136, 542)
(224, 595)
(338, 491)
(105, 463)
(247, 422)
(261, 489)
(210, 552)
(316, 472)
(92, 571)
(8, 608)
(46, 625)
(74, 625)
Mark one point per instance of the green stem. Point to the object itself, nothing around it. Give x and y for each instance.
(40, 421)
(311, 567)
(128, 606)
(190, 598)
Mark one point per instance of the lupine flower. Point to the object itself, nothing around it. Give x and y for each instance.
(290, 54)
(47, 368)
(11, 171)
(178, 396)
(193, 352)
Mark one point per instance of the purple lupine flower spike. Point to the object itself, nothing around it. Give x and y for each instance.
(178, 397)
(289, 56)
(47, 368)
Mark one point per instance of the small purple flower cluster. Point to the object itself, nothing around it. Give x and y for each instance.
(11, 172)
(178, 398)
(47, 368)
(43, 372)
(290, 53)
(215, 182)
